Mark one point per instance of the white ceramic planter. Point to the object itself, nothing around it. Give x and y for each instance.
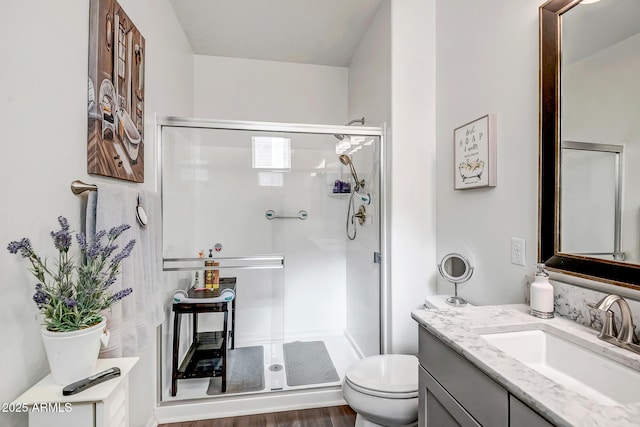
(73, 355)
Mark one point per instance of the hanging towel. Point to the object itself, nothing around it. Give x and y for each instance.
(133, 320)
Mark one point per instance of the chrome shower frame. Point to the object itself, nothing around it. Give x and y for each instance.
(384, 188)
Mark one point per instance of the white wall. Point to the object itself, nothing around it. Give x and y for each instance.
(370, 72)
(487, 62)
(369, 96)
(254, 90)
(43, 98)
(413, 165)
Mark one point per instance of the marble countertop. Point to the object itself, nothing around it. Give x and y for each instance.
(460, 329)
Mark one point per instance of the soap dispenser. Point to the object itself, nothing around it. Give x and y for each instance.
(541, 294)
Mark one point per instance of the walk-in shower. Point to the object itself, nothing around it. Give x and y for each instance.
(307, 300)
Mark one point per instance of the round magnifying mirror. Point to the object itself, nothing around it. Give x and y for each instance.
(456, 269)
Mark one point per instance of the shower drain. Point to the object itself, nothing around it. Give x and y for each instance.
(275, 367)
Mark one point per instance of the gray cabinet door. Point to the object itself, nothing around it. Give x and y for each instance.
(483, 398)
(520, 415)
(439, 408)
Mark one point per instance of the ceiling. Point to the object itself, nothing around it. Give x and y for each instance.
(322, 32)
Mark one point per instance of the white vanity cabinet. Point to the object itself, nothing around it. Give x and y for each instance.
(103, 405)
(453, 392)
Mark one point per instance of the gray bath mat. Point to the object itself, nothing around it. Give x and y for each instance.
(308, 363)
(245, 371)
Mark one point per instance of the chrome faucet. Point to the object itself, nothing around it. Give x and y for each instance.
(626, 337)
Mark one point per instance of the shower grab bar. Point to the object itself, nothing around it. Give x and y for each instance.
(277, 259)
(271, 214)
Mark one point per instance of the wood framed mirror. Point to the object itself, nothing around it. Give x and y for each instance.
(556, 129)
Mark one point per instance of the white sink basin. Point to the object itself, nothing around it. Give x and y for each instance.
(575, 367)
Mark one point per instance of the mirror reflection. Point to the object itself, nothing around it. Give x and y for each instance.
(599, 131)
(591, 200)
(455, 268)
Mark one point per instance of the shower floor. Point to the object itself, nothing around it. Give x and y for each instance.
(339, 348)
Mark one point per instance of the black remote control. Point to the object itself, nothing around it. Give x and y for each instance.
(84, 384)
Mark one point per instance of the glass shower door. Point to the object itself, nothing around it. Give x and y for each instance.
(213, 207)
(277, 207)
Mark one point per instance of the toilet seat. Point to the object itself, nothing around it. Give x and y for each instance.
(393, 376)
(383, 394)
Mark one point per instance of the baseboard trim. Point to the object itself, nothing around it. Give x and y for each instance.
(153, 422)
(353, 343)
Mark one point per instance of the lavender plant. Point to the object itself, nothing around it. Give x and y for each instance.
(72, 297)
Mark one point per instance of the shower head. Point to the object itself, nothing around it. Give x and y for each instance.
(349, 123)
(360, 120)
(346, 160)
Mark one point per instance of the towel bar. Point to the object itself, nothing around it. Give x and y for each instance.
(79, 187)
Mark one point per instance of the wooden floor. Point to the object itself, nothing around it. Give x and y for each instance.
(335, 416)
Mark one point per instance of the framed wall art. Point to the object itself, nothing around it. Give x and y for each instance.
(115, 137)
(474, 157)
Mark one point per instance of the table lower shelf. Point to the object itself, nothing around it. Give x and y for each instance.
(206, 356)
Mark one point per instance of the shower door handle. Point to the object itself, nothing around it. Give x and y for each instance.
(271, 214)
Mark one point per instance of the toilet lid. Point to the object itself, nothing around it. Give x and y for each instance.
(391, 373)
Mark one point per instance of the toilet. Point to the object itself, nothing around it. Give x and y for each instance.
(383, 390)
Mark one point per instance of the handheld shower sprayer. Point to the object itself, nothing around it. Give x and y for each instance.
(346, 160)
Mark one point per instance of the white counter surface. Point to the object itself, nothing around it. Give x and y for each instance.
(564, 407)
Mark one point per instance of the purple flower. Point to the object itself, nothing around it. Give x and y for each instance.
(62, 237)
(106, 252)
(95, 248)
(83, 289)
(99, 235)
(126, 251)
(110, 282)
(64, 223)
(116, 231)
(24, 246)
(82, 241)
(121, 294)
(40, 298)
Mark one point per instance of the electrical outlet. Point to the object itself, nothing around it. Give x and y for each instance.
(517, 251)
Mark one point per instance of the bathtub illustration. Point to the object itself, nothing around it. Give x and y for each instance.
(129, 134)
(471, 170)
